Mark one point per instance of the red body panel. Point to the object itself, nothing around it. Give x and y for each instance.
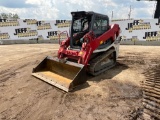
(83, 56)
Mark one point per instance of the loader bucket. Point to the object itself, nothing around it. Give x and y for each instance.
(65, 76)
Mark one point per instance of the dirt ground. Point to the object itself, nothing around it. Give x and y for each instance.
(116, 94)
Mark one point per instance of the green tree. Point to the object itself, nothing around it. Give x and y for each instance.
(15, 16)
(9, 16)
(4, 15)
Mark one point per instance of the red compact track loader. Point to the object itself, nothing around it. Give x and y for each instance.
(92, 48)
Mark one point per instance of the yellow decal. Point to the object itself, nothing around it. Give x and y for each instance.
(101, 42)
(81, 53)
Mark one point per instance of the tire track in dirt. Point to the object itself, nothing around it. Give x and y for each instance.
(151, 92)
(28, 98)
(11, 72)
(26, 107)
(39, 94)
(32, 57)
(6, 74)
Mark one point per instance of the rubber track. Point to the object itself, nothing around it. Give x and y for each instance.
(151, 92)
(94, 62)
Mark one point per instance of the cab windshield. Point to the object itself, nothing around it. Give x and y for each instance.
(80, 24)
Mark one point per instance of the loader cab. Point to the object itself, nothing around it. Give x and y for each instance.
(100, 24)
(83, 22)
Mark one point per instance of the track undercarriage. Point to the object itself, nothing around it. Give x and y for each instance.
(102, 62)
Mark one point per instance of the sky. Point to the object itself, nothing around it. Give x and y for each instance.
(60, 9)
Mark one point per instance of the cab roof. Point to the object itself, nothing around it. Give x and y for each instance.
(77, 13)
